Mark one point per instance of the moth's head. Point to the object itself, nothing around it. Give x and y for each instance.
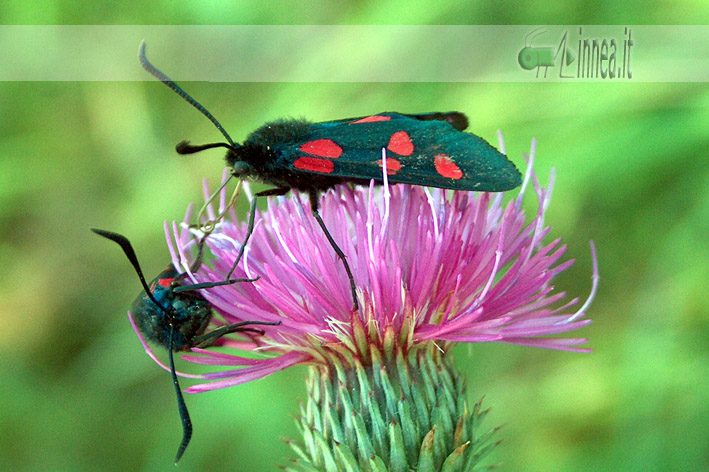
(235, 158)
(234, 155)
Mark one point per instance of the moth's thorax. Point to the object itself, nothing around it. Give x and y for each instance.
(280, 133)
(268, 153)
(187, 312)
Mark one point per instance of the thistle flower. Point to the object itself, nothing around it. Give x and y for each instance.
(432, 268)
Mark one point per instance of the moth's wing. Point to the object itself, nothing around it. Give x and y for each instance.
(420, 152)
(456, 119)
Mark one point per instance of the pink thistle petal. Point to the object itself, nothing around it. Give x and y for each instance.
(247, 374)
(561, 344)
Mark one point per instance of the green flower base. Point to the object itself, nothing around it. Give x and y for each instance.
(396, 413)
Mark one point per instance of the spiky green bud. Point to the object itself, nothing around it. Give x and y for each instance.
(395, 413)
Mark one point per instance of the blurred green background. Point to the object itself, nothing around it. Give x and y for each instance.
(632, 174)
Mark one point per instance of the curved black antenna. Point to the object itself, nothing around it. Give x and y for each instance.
(184, 147)
(152, 70)
(181, 406)
(130, 253)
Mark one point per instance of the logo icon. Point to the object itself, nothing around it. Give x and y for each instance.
(537, 57)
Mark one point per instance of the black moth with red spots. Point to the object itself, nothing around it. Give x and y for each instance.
(428, 149)
(176, 316)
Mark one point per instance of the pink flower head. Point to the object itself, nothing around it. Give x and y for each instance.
(430, 265)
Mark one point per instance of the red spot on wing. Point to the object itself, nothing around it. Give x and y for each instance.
(314, 164)
(371, 119)
(400, 143)
(165, 282)
(393, 165)
(446, 167)
(322, 148)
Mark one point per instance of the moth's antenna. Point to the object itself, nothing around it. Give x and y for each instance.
(152, 70)
(130, 253)
(181, 406)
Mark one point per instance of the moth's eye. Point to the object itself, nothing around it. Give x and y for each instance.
(179, 305)
(240, 168)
